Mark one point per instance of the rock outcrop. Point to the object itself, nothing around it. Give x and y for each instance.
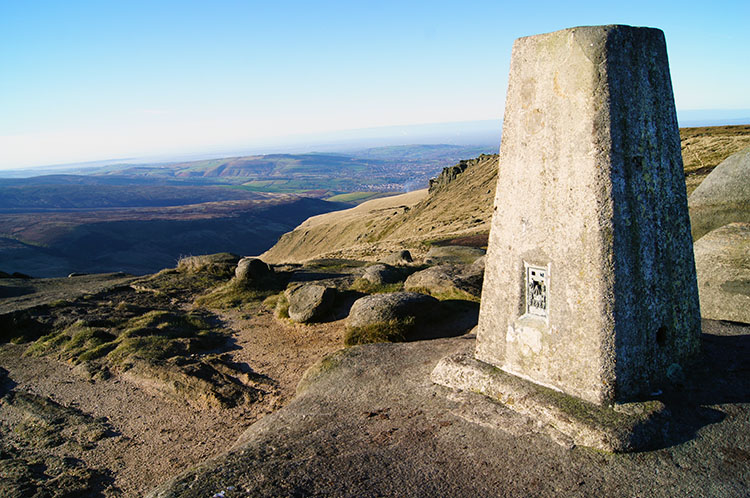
(446, 280)
(382, 308)
(723, 197)
(310, 302)
(380, 274)
(399, 258)
(252, 270)
(722, 262)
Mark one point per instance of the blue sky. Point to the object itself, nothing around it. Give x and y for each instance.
(96, 80)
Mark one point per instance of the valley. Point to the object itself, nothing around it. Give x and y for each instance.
(141, 218)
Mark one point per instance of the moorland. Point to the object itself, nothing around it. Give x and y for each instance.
(199, 382)
(141, 218)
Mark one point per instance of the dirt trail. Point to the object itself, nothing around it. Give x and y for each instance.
(154, 438)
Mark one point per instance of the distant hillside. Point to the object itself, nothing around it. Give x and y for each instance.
(381, 169)
(68, 195)
(145, 240)
(459, 206)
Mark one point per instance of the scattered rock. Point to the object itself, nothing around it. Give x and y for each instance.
(446, 280)
(381, 308)
(252, 270)
(455, 254)
(723, 197)
(722, 264)
(399, 258)
(380, 274)
(478, 265)
(309, 302)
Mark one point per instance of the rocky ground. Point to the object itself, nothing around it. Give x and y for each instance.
(112, 384)
(101, 428)
(368, 422)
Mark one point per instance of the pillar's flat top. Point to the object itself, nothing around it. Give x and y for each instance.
(595, 31)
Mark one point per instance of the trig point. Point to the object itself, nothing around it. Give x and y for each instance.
(590, 284)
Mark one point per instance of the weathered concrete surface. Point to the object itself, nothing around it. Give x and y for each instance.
(591, 188)
(723, 197)
(625, 427)
(722, 260)
(370, 423)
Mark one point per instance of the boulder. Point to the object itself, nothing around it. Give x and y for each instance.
(446, 279)
(399, 258)
(252, 270)
(478, 265)
(455, 254)
(381, 308)
(380, 274)
(723, 197)
(722, 264)
(310, 302)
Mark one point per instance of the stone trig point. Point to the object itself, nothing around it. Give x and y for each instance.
(590, 291)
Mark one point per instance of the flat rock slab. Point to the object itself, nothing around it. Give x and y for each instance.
(369, 422)
(627, 427)
(722, 262)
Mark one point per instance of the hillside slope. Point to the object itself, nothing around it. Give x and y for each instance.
(461, 207)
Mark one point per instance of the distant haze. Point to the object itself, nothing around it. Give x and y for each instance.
(480, 133)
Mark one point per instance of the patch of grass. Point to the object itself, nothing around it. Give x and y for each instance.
(83, 340)
(154, 336)
(233, 295)
(147, 348)
(47, 344)
(447, 294)
(279, 304)
(221, 265)
(390, 331)
(165, 323)
(367, 287)
(334, 264)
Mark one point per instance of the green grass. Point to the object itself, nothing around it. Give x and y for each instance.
(334, 264)
(447, 294)
(367, 287)
(233, 295)
(154, 336)
(279, 304)
(390, 331)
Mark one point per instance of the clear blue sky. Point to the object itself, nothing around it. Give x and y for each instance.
(96, 80)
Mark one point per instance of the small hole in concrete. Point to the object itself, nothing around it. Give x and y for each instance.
(661, 335)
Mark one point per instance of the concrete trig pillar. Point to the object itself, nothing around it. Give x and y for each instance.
(590, 281)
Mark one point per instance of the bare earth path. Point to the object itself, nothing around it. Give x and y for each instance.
(152, 437)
